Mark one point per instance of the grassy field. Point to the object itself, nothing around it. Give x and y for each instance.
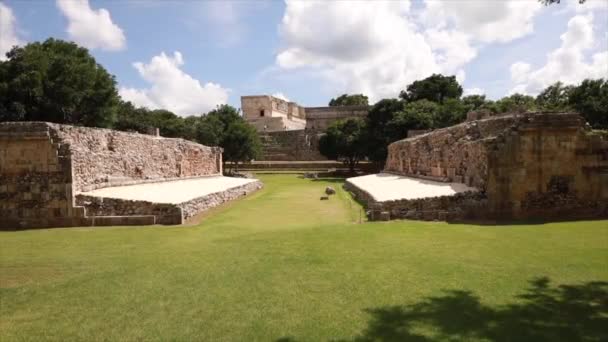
(281, 265)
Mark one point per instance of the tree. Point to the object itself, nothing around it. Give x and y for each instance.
(555, 97)
(345, 141)
(378, 118)
(515, 103)
(240, 142)
(349, 100)
(56, 81)
(416, 115)
(451, 112)
(225, 127)
(590, 99)
(474, 102)
(435, 88)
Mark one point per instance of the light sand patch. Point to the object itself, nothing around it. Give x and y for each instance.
(389, 187)
(173, 192)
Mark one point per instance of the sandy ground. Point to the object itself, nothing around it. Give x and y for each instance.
(388, 187)
(175, 192)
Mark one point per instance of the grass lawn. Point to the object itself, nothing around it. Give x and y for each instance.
(283, 265)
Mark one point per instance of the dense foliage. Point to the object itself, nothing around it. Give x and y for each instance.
(56, 81)
(436, 102)
(434, 88)
(349, 100)
(345, 141)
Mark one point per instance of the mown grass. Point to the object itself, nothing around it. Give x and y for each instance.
(283, 265)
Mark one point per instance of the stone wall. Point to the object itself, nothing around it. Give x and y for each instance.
(459, 207)
(43, 166)
(104, 157)
(320, 118)
(533, 165)
(35, 178)
(162, 213)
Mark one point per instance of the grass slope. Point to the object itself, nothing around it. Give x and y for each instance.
(283, 265)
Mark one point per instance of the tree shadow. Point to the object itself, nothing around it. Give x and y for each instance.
(542, 313)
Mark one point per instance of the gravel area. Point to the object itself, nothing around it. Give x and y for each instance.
(390, 187)
(174, 192)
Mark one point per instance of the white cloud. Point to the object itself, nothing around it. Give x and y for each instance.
(377, 48)
(173, 89)
(281, 96)
(519, 71)
(356, 46)
(91, 28)
(567, 63)
(8, 34)
(589, 5)
(473, 91)
(486, 21)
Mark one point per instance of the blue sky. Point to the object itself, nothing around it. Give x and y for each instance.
(310, 52)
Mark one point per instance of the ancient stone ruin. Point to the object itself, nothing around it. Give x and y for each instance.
(515, 167)
(290, 132)
(58, 175)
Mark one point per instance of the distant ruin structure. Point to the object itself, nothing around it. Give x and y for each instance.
(289, 131)
(49, 174)
(523, 166)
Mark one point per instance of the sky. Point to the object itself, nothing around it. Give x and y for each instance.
(190, 56)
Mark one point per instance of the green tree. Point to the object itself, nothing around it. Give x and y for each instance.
(378, 118)
(434, 88)
(590, 99)
(350, 100)
(225, 127)
(515, 103)
(56, 81)
(555, 97)
(345, 141)
(416, 115)
(451, 112)
(240, 142)
(474, 102)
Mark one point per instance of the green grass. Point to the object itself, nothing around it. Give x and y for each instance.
(283, 265)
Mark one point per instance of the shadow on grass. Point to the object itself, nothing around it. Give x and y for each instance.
(542, 313)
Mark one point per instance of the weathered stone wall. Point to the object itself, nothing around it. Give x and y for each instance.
(162, 213)
(43, 165)
(320, 118)
(35, 178)
(533, 165)
(549, 166)
(458, 207)
(454, 154)
(104, 157)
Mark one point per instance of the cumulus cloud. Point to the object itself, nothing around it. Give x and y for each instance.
(357, 46)
(473, 91)
(8, 34)
(567, 63)
(378, 48)
(173, 89)
(281, 96)
(485, 21)
(91, 28)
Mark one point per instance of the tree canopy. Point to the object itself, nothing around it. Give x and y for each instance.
(434, 88)
(56, 81)
(590, 99)
(349, 100)
(345, 141)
